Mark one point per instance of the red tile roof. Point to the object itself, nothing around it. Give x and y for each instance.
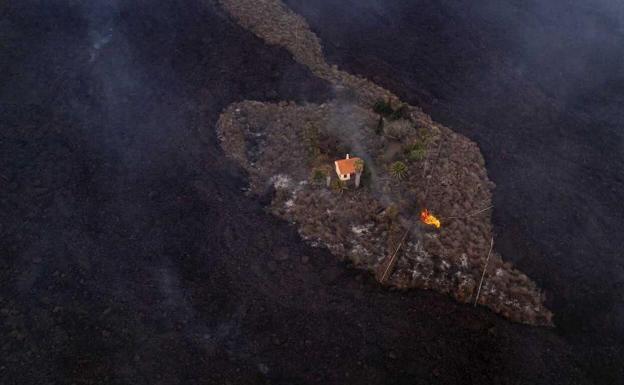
(346, 166)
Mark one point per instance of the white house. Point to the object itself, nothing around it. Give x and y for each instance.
(347, 167)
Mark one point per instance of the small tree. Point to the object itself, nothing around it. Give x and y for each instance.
(383, 107)
(318, 176)
(379, 129)
(322, 174)
(424, 134)
(359, 168)
(401, 112)
(417, 154)
(398, 170)
(416, 151)
(338, 185)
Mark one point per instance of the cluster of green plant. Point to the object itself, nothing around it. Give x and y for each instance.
(385, 109)
(398, 170)
(416, 150)
(338, 185)
(359, 165)
(401, 112)
(424, 135)
(318, 176)
(417, 154)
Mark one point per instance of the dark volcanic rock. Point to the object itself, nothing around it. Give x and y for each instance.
(538, 85)
(149, 248)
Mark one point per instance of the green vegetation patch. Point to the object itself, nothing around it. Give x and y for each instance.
(385, 109)
(398, 170)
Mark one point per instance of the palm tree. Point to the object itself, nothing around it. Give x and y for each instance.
(379, 129)
(359, 168)
(398, 170)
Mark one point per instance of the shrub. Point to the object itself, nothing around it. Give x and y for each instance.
(424, 135)
(318, 176)
(367, 177)
(402, 112)
(398, 129)
(398, 170)
(383, 108)
(359, 165)
(417, 154)
(338, 185)
(416, 151)
(380, 126)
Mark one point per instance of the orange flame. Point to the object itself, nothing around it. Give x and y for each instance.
(429, 219)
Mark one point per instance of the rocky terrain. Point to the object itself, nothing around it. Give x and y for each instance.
(133, 254)
(286, 145)
(446, 174)
(539, 87)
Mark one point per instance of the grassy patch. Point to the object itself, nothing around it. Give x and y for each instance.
(416, 151)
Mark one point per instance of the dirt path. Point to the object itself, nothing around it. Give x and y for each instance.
(131, 255)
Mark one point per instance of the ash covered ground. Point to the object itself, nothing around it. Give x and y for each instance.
(538, 85)
(130, 253)
(291, 148)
